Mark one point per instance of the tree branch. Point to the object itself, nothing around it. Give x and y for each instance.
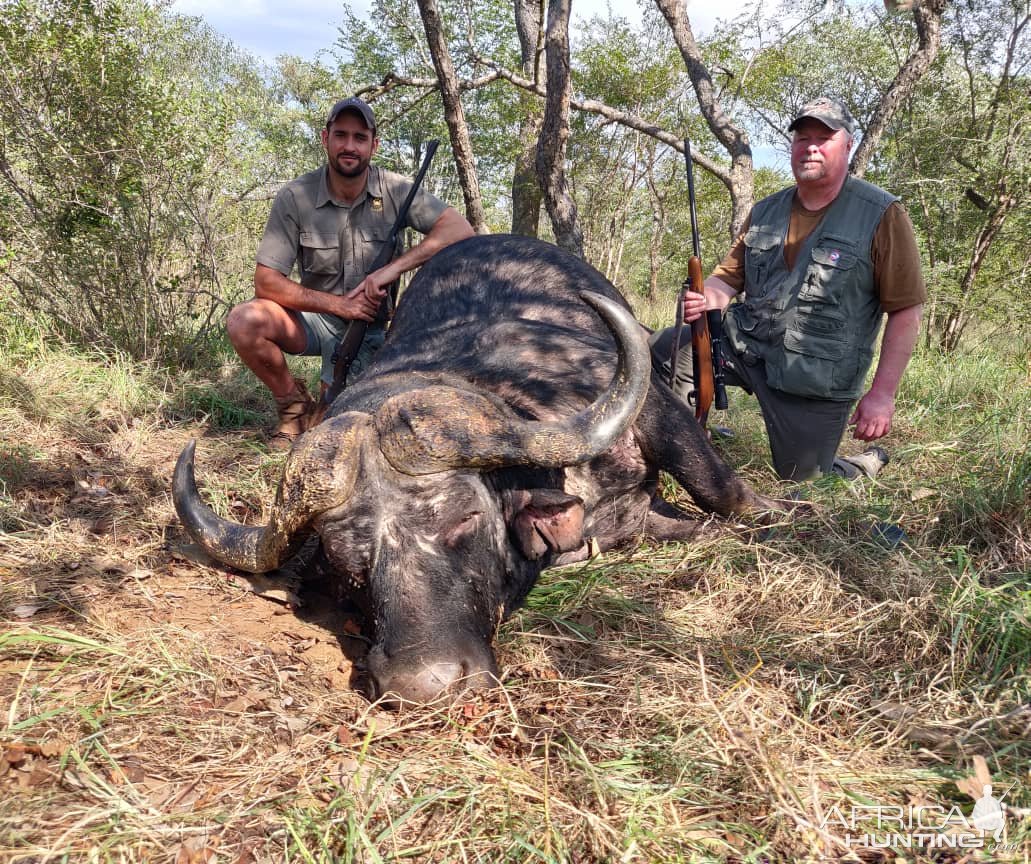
(928, 17)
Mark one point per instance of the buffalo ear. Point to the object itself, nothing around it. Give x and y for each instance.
(544, 520)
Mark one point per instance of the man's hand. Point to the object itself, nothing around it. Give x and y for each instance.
(357, 305)
(694, 306)
(872, 417)
(375, 285)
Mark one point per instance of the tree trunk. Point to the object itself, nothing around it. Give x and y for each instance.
(958, 317)
(551, 148)
(526, 191)
(659, 221)
(461, 145)
(928, 15)
(734, 138)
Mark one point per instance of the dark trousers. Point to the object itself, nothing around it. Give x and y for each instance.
(804, 433)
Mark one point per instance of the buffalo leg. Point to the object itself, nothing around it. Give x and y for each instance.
(687, 455)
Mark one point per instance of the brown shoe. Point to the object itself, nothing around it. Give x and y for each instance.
(293, 412)
(868, 463)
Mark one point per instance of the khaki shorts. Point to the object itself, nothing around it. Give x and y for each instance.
(324, 333)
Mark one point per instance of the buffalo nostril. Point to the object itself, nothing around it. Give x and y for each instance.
(424, 686)
(431, 683)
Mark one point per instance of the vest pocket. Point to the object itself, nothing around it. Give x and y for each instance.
(320, 253)
(761, 250)
(813, 345)
(828, 268)
(815, 365)
(818, 318)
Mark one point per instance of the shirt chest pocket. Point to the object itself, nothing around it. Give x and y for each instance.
(374, 240)
(320, 253)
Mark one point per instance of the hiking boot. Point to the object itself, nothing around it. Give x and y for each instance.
(293, 410)
(868, 463)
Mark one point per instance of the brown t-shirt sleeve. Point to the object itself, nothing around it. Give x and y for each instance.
(896, 261)
(732, 268)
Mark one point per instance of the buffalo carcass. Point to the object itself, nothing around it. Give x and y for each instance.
(488, 439)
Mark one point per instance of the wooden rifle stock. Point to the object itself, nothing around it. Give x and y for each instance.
(701, 348)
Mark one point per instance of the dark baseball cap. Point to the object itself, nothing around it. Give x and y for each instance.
(353, 103)
(832, 113)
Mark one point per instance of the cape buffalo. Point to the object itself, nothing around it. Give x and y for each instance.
(489, 439)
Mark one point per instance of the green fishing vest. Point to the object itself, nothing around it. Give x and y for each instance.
(814, 325)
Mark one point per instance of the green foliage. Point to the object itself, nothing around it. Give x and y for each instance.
(126, 172)
(959, 155)
(389, 38)
(139, 150)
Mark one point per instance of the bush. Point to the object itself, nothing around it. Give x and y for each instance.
(125, 176)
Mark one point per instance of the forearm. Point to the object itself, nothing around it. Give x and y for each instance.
(718, 293)
(270, 284)
(900, 335)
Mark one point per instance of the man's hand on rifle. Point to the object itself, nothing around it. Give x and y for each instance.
(694, 306)
(376, 284)
(357, 305)
(718, 295)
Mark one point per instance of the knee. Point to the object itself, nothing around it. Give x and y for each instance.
(661, 342)
(247, 321)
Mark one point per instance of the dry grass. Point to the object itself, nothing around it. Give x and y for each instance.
(712, 702)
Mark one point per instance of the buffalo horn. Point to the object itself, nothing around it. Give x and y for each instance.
(319, 474)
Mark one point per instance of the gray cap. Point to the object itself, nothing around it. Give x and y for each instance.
(832, 113)
(353, 103)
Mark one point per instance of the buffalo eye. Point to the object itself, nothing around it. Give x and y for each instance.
(459, 531)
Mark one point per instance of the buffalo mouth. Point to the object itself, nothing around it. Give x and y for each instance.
(415, 679)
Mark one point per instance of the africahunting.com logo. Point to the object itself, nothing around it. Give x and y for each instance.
(922, 827)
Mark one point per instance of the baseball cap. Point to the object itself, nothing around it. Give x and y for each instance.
(830, 112)
(353, 103)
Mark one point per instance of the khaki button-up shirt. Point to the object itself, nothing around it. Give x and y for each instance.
(334, 244)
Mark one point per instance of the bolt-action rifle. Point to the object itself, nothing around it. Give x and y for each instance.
(706, 330)
(349, 344)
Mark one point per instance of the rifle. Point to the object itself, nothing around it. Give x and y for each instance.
(706, 330)
(349, 344)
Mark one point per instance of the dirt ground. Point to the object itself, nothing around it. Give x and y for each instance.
(132, 567)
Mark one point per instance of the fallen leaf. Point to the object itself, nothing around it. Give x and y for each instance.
(279, 589)
(345, 773)
(895, 710)
(345, 738)
(973, 784)
(250, 699)
(104, 564)
(15, 754)
(195, 850)
(295, 724)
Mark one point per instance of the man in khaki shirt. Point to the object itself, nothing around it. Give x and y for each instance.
(331, 223)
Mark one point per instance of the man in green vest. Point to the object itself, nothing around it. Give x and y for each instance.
(814, 271)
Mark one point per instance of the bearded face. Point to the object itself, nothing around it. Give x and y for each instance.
(349, 145)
